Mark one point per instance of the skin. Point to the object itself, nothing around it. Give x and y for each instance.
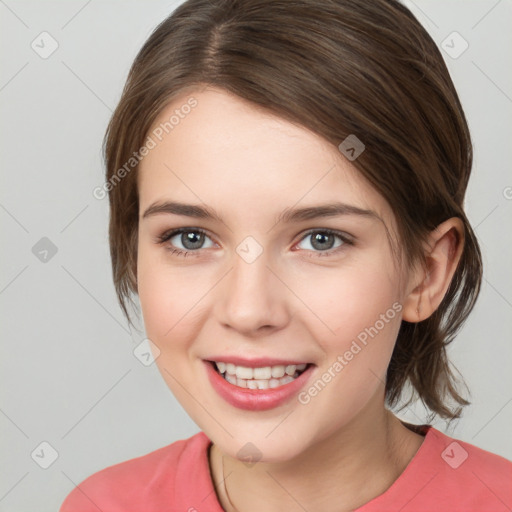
(293, 301)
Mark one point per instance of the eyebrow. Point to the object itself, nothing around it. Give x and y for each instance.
(288, 215)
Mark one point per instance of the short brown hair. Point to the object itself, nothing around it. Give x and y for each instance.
(336, 67)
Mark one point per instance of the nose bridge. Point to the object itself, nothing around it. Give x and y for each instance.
(252, 296)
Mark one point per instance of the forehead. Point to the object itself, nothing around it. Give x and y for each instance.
(227, 150)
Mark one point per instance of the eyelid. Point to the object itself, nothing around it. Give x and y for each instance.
(346, 237)
(163, 238)
(347, 240)
(171, 233)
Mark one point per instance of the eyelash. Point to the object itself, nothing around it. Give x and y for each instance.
(162, 239)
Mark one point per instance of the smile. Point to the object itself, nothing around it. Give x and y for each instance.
(263, 385)
(264, 377)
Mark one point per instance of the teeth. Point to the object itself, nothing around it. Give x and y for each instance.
(252, 384)
(273, 383)
(262, 384)
(242, 372)
(278, 371)
(290, 369)
(260, 378)
(262, 373)
(258, 384)
(230, 378)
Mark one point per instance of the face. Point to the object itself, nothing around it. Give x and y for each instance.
(266, 294)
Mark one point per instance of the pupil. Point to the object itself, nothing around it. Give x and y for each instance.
(321, 237)
(193, 238)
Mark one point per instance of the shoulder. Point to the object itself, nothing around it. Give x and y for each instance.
(458, 454)
(143, 482)
(448, 475)
(466, 477)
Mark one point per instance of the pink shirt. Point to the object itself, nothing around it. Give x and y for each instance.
(444, 475)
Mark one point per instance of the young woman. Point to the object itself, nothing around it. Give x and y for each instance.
(286, 183)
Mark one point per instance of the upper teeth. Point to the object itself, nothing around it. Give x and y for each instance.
(265, 372)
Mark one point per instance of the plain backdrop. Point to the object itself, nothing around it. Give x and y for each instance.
(73, 396)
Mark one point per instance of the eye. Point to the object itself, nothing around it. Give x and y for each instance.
(322, 241)
(191, 239)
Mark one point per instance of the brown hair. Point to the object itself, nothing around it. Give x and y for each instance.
(336, 67)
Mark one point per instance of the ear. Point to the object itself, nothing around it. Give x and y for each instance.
(428, 286)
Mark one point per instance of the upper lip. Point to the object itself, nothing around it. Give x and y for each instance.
(256, 362)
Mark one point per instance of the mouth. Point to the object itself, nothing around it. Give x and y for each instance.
(258, 388)
(264, 377)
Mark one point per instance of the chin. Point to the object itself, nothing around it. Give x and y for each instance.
(252, 448)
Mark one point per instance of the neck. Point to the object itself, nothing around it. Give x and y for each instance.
(340, 473)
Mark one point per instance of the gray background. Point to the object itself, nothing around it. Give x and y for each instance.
(69, 374)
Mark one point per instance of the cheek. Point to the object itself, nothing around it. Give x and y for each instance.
(166, 302)
(163, 298)
(364, 321)
(346, 301)
(156, 302)
(359, 311)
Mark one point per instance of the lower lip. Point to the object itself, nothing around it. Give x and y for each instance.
(256, 399)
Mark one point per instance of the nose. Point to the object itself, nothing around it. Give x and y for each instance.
(253, 299)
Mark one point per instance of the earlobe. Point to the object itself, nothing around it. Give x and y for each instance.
(430, 284)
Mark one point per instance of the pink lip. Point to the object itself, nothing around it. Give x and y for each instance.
(257, 362)
(256, 399)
